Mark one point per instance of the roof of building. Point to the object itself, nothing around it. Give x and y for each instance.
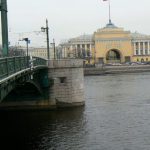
(139, 35)
(110, 25)
(83, 37)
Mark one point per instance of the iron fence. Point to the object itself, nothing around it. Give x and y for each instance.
(11, 65)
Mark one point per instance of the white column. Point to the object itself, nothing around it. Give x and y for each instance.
(76, 46)
(64, 53)
(139, 52)
(76, 50)
(72, 51)
(81, 49)
(143, 48)
(71, 47)
(90, 48)
(80, 46)
(134, 45)
(85, 50)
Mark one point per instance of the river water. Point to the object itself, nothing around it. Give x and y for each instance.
(116, 116)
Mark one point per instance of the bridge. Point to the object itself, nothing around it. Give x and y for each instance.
(17, 72)
(36, 82)
(39, 83)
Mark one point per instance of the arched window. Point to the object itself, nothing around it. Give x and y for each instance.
(142, 60)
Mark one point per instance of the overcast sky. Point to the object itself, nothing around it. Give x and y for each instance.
(71, 18)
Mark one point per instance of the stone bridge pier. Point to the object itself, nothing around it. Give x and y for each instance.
(67, 82)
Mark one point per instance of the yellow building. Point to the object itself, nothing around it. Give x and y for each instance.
(114, 44)
(111, 44)
(41, 52)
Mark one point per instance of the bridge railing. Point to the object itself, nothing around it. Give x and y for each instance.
(39, 61)
(11, 65)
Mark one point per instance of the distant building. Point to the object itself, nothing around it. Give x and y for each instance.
(140, 47)
(38, 52)
(110, 44)
(41, 52)
(79, 47)
(16, 51)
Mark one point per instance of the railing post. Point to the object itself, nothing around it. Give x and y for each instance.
(20, 62)
(7, 66)
(15, 64)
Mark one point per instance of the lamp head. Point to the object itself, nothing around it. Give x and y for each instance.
(25, 39)
(42, 29)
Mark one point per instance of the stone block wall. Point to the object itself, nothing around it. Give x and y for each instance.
(68, 82)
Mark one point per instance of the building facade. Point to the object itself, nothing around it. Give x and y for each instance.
(79, 47)
(110, 44)
(140, 47)
(42, 52)
(38, 52)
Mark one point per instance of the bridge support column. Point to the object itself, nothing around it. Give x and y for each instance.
(68, 82)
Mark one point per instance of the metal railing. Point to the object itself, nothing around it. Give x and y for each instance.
(11, 65)
(39, 61)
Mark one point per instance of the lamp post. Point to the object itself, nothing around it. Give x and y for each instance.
(27, 42)
(4, 29)
(54, 48)
(43, 29)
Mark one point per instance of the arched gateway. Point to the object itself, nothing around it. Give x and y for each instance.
(113, 56)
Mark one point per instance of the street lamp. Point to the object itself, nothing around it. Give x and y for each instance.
(54, 48)
(4, 27)
(27, 42)
(46, 29)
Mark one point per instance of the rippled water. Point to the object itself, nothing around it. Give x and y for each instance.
(116, 117)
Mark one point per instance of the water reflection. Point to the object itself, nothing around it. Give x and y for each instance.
(115, 117)
(41, 130)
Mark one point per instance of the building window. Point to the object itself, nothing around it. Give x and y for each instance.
(141, 45)
(136, 45)
(83, 46)
(146, 52)
(78, 46)
(146, 59)
(62, 79)
(88, 46)
(137, 59)
(142, 60)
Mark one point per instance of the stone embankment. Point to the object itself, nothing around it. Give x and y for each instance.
(116, 69)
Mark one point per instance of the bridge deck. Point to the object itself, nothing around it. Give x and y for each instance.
(14, 67)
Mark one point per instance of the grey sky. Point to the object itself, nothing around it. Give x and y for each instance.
(70, 18)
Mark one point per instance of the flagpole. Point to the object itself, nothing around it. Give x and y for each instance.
(109, 13)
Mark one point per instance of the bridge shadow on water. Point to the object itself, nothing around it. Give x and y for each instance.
(24, 92)
(32, 130)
